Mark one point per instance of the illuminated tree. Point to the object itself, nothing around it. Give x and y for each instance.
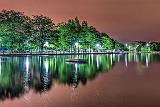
(43, 31)
(14, 29)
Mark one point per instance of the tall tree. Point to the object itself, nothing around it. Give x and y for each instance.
(43, 28)
(14, 29)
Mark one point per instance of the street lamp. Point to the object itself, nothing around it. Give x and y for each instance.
(46, 44)
(126, 45)
(147, 44)
(98, 45)
(76, 44)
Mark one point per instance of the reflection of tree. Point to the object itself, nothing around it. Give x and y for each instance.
(43, 82)
(20, 74)
(144, 58)
(73, 74)
(11, 84)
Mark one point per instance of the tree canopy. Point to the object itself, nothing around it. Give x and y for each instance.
(20, 33)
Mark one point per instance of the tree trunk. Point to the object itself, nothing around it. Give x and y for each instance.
(12, 47)
(42, 48)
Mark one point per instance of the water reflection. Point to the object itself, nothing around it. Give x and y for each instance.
(18, 75)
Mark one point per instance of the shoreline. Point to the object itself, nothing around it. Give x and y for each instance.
(84, 53)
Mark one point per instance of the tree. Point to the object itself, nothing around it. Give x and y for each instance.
(107, 42)
(155, 46)
(90, 36)
(120, 46)
(64, 36)
(20, 33)
(43, 31)
(14, 29)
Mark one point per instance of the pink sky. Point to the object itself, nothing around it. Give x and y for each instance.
(125, 20)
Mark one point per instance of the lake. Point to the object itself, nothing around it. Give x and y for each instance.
(106, 80)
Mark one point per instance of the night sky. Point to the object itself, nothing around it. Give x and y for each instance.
(124, 20)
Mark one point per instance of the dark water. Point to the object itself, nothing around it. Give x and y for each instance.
(122, 80)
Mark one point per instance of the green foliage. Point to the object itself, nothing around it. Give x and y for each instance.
(43, 31)
(138, 49)
(155, 46)
(13, 29)
(87, 36)
(19, 33)
(120, 46)
(108, 43)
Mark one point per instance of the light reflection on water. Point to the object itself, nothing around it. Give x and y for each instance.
(19, 75)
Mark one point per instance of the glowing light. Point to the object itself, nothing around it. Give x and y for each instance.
(46, 44)
(98, 45)
(76, 66)
(134, 57)
(27, 64)
(146, 61)
(76, 44)
(118, 57)
(46, 65)
(97, 59)
(111, 59)
(26, 75)
(137, 58)
(114, 57)
(126, 60)
(147, 44)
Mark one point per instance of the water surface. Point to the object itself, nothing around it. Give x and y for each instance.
(109, 80)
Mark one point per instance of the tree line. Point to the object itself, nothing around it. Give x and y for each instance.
(141, 46)
(21, 33)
